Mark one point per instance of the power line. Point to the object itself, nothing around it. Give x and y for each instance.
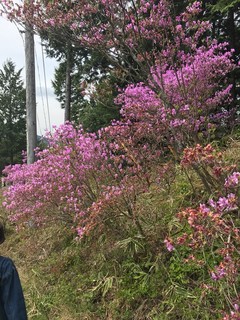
(45, 81)
(38, 121)
(41, 93)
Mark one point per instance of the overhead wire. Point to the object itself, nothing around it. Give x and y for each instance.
(39, 126)
(41, 92)
(45, 82)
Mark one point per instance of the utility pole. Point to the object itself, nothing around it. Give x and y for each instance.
(30, 94)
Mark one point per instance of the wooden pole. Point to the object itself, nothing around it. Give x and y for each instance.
(30, 95)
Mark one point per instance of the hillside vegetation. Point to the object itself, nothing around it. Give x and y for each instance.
(117, 273)
(137, 218)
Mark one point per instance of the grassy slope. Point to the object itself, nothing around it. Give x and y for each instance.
(113, 274)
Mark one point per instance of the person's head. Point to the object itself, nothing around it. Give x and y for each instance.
(2, 236)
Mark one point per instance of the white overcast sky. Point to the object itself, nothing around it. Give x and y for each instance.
(12, 47)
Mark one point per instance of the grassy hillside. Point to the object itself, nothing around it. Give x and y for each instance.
(117, 273)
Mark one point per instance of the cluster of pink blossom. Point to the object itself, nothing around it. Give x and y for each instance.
(181, 100)
(234, 314)
(225, 268)
(233, 180)
(59, 181)
(200, 155)
(225, 203)
(212, 239)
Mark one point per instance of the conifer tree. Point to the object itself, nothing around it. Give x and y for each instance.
(12, 115)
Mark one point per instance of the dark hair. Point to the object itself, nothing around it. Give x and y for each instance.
(2, 236)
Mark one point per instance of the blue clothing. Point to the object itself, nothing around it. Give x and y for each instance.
(12, 304)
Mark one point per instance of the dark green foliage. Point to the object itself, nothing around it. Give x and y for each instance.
(225, 18)
(225, 5)
(92, 111)
(101, 109)
(12, 115)
(96, 115)
(88, 68)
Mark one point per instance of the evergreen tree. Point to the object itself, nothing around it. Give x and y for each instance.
(12, 115)
(79, 68)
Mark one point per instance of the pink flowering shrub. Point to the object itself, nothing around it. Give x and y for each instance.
(63, 179)
(181, 104)
(210, 237)
(78, 179)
